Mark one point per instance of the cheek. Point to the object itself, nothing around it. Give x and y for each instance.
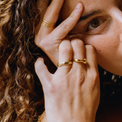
(102, 43)
(106, 46)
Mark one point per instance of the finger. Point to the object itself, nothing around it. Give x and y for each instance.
(65, 55)
(66, 26)
(54, 39)
(91, 57)
(92, 68)
(51, 16)
(42, 72)
(79, 51)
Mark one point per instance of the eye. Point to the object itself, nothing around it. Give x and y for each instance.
(95, 23)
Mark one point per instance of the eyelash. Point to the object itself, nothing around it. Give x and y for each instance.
(85, 26)
(91, 23)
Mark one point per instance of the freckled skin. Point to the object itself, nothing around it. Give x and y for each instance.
(108, 45)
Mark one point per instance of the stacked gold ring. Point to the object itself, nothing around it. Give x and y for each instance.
(48, 24)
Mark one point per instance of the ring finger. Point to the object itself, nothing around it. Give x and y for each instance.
(51, 16)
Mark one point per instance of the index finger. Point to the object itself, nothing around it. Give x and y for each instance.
(67, 25)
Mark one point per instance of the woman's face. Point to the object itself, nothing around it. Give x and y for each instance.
(100, 26)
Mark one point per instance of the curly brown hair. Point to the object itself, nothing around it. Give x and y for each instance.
(21, 95)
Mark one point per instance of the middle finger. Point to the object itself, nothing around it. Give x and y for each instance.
(65, 55)
(79, 52)
(51, 16)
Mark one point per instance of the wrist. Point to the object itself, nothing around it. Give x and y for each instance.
(42, 118)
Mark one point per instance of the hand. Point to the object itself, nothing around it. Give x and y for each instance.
(49, 39)
(72, 93)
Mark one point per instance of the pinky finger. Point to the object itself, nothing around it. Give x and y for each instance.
(92, 70)
(91, 57)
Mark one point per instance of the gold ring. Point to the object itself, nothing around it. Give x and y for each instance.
(79, 60)
(47, 24)
(64, 63)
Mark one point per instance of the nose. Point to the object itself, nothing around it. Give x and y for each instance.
(117, 14)
(119, 18)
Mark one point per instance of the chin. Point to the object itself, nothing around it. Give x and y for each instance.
(115, 71)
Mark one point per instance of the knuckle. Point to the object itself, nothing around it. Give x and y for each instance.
(94, 76)
(80, 78)
(77, 43)
(90, 47)
(39, 41)
(36, 40)
(56, 13)
(51, 88)
(68, 23)
(43, 44)
(64, 26)
(51, 10)
(38, 66)
(73, 15)
(65, 47)
(65, 51)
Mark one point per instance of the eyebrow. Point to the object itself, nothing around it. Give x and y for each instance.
(90, 14)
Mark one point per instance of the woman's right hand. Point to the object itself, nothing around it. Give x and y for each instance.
(49, 39)
(72, 93)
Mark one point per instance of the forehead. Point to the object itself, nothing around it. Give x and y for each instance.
(89, 5)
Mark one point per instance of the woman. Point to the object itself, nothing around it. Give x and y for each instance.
(80, 74)
(99, 25)
(21, 95)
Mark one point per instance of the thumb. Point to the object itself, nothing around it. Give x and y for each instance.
(42, 72)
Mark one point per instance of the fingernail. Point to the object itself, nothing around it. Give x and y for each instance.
(40, 59)
(79, 6)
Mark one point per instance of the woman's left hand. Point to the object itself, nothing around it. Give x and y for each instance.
(49, 38)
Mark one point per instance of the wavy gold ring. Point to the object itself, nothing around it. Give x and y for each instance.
(84, 61)
(64, 63)
(48, 24)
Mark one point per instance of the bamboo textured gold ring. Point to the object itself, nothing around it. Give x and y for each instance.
(47, 24)
(64, 63)
(79, 60)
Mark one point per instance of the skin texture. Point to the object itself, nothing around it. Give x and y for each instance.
(104, 34)
(107, 37)
(72, 93)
